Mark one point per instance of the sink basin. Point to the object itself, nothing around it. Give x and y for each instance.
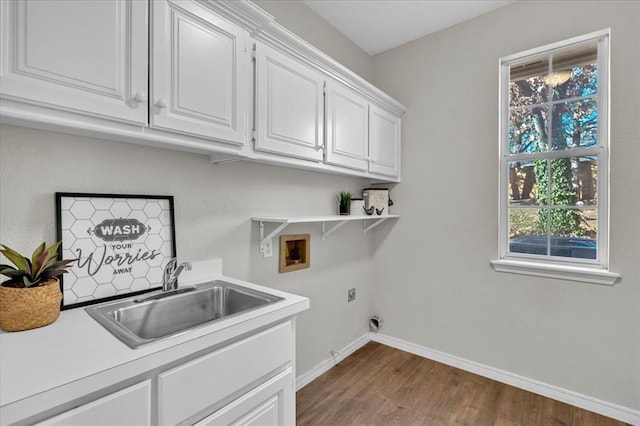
(140, 321)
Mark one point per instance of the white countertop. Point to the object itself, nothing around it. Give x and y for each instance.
(75, 347)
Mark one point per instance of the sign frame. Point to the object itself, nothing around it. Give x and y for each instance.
(121, 242)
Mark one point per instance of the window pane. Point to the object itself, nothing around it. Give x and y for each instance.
(527, 130)
(575, 125)
(573, 180)
(525, 222)
(575, 72)
(522, 183)
(527, 233)
(563, 182)
(526, 84)
(541, 175)
(563, 222)
(587, 180)
(530, 91)
(579, 242)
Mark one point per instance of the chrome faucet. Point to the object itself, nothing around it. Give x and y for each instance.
(171, 273)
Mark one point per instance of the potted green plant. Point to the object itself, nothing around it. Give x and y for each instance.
(344, 200)
(31, 297)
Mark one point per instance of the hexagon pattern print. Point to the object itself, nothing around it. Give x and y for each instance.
(122, 244)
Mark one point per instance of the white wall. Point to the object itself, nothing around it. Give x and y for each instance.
(436, 287)
(213, 205)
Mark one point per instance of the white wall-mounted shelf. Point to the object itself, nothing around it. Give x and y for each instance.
(368, 223)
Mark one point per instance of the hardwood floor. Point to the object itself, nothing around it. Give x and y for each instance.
(380, 385)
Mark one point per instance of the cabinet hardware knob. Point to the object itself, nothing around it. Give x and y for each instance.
(162, 103)
(140, 97)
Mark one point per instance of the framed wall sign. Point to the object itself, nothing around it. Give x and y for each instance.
(121, 243)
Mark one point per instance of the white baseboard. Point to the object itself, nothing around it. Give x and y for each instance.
(559, 394)
(329, 363)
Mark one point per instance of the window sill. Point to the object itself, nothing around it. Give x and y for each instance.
(564, 272)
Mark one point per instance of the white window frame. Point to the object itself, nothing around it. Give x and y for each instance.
(583, 270)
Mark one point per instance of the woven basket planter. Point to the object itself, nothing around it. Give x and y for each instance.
(27, 308)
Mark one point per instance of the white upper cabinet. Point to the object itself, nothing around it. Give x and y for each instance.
(200, 81)
(289, 106)
(361, 135)
(81, 56)
(347, 124)
(179, 74)
(384, 144)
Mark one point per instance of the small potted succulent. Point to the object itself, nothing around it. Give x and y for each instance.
(344, 200)
(31, 297)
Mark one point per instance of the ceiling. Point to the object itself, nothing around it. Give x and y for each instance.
(379, 25)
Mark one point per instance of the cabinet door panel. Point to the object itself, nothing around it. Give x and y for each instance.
(130, 406)
(82, 56)
(271, 403)
(384, 131)
(201, 383)
(200, 72)
(347, 116)
(290, 106)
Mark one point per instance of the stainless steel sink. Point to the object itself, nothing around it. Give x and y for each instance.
(140, 321)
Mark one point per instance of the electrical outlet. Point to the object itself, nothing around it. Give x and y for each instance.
(268, 249)
(351, 295)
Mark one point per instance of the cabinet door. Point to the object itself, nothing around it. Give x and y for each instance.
(130, 406)
(384, 142)
(82, 56)
(272, 403)
(200, 72)
(200, 384)
(347, 121)
(289, 103)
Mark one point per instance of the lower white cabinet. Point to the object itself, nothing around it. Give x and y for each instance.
(249, 381)
(270, 404)
(129, 406)
(192, 388)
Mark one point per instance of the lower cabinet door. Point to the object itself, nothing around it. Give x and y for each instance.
(130, 406)
(272, 403)
(194, 387)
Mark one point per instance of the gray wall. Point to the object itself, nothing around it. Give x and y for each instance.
(213, 209)
(434, 284)
(308, 25)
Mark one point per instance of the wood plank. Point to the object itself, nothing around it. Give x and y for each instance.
(380, 385)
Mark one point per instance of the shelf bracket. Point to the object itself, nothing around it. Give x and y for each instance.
(326, 233)
(264, 241)
(373, 225)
